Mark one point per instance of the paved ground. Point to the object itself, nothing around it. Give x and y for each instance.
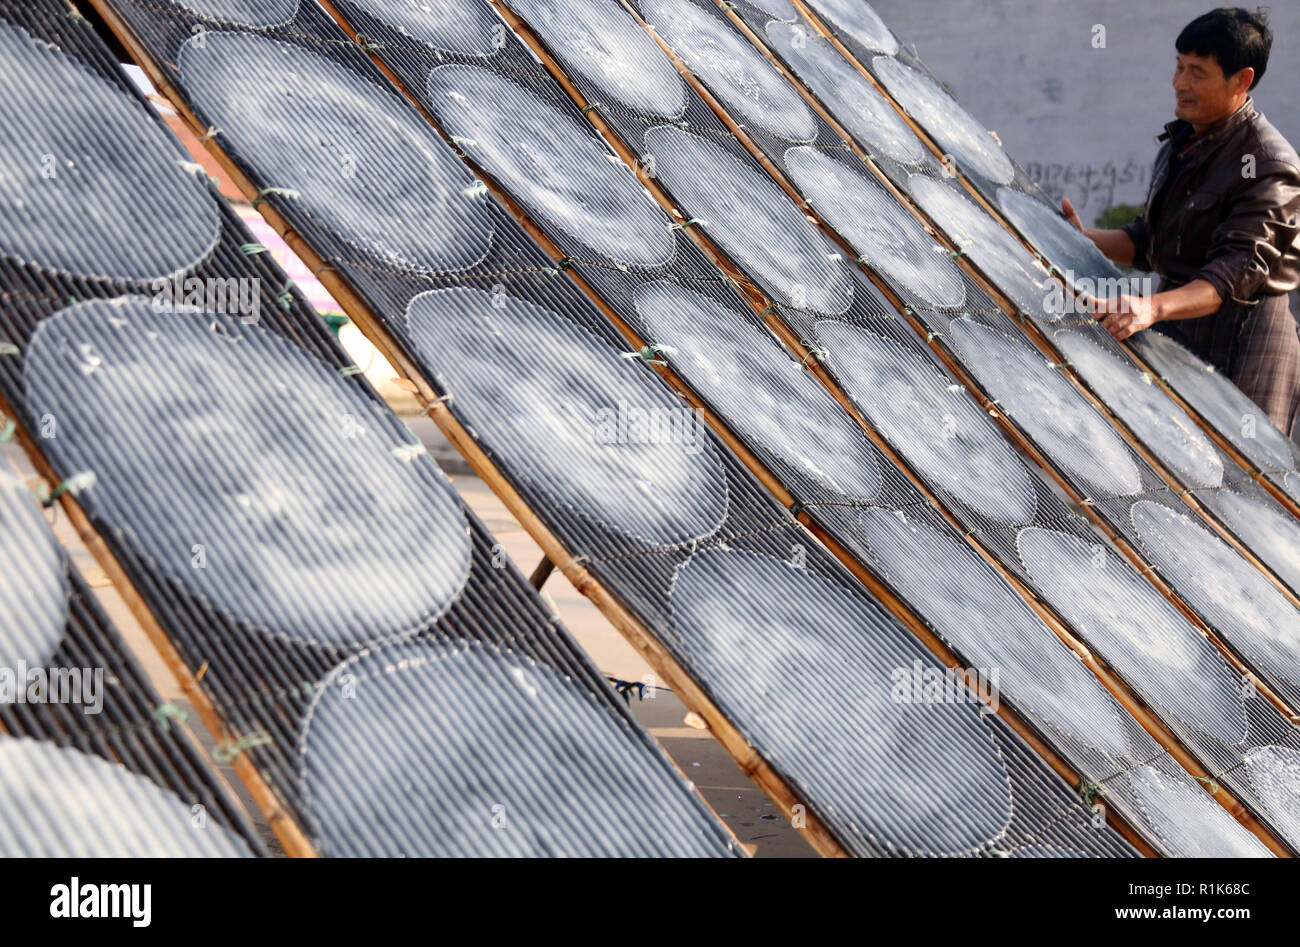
(754, 820)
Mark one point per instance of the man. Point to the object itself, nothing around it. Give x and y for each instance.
(1220, 222)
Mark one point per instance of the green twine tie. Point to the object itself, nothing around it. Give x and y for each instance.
(335, 322)
(164, 713)
(813, 352)
(73, 484)
(225, 752)
(648, 354)
(1089, 792)
(285, 296)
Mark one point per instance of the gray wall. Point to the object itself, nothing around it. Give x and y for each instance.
(1081, 120)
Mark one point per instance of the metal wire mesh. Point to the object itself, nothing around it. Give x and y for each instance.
(742, 212)
(687, 617)
(1227, 408)
(1023, 204)
(286, 532)
(508, 96)
(89, 766)
(1027, 388)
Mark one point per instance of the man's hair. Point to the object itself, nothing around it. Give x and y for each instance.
(1236, 38)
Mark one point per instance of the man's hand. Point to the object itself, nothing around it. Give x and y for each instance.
(1125, 315)
(1067, 209)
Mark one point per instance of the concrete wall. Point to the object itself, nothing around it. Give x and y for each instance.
(1081, 120)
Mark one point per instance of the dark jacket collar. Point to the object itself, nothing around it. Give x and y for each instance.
(1181, 132)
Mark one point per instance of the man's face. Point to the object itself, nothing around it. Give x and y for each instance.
(1203, 93)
